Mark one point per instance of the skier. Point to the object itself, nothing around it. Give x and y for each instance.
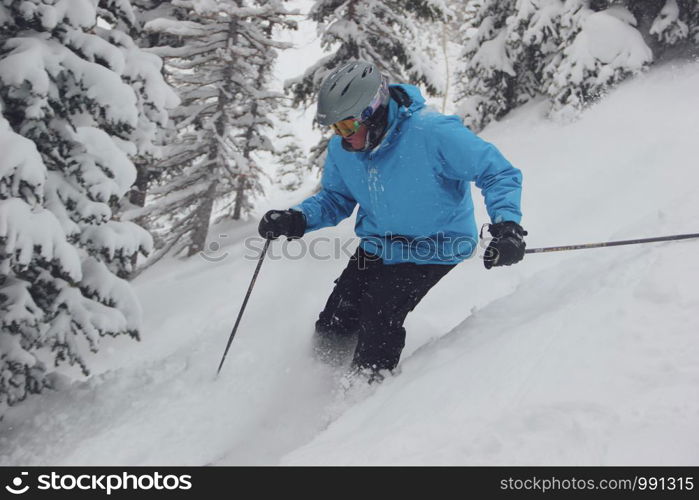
(409, 169)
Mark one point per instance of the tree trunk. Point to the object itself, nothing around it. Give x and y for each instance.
(239, 197)
(445, 52)
(137, 197)
(202, 219)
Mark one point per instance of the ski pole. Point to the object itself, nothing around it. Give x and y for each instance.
(245, 301)
(676, 237)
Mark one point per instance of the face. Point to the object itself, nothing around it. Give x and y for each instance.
(358, 139)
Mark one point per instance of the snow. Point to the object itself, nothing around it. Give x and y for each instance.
(78, 13)
(20, 163)
(551, 390)
(174, 27)
(107, 169)
(21, 65)
(25, 231)
(492, 54)
(13, 352)
(93, 48)
(585, 357)
(141, 65)
(607, 49)
(60, 192)
(37, 61)
(117, 236)
(609, 36)
(667, 26)
(101, 283)
(543, 15)
(18, 308)
(667, 15)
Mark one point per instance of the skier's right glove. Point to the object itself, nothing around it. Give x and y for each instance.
(276, 223)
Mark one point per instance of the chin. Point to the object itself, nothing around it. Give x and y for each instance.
(349, 147)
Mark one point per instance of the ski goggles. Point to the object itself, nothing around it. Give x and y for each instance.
(350, 126)
(347, 127)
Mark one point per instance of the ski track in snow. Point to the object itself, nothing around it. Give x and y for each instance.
(588, 357)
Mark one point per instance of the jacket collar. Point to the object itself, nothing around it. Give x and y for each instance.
(405, 100)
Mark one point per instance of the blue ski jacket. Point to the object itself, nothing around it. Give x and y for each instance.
(413, 189)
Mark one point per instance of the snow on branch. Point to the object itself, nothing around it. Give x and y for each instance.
(40, 62)
(22, 171)
(27, 234)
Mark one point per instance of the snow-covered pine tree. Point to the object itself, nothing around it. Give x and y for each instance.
(599, 48)
(32, 243)
(509, 48)
(668, 26)
(449, 33)
(533, 39)
(572, 51)
(387, 33)
(291, 159)
(71, 120)
(222, 73)
(254, 114)
(291, 168)
(674, 22)
(486, 78)
(143, 72)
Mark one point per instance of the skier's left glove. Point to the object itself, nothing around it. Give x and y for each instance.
(276, 223)
(507, 246)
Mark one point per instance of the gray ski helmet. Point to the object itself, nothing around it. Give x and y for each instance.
(346, 92)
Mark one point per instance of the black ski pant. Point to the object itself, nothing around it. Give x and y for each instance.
(367, 308)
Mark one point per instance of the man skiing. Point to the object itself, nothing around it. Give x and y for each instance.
(409, 169)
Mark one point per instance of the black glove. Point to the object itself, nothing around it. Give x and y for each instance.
(507, 246)
(276, 223)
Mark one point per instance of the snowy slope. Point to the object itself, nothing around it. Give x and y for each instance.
(579, 358)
